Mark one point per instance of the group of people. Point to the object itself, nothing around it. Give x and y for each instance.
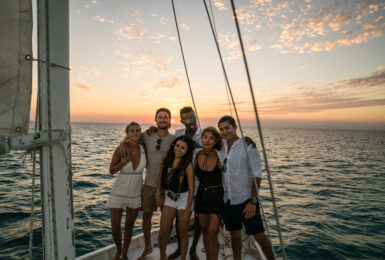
(195, 169)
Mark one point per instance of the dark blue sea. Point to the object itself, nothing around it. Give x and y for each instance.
(329, 187)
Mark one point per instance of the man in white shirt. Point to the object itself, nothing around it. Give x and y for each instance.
(240, 197)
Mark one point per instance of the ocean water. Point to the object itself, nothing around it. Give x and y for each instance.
(329, 187)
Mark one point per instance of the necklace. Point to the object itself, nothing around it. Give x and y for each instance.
(207, 155)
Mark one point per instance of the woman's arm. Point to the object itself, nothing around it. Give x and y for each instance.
(117, 162)
(190, 183)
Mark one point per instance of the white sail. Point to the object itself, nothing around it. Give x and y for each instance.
(15, 70)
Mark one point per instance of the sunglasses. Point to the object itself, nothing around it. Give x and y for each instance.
(158, 144)
(189, 121)
(224, 165)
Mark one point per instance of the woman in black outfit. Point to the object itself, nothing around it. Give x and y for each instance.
(209, 198)
(175, 192)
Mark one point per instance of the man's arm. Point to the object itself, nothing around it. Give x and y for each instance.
(122, 148)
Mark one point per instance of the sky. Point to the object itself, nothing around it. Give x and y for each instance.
(312, 63)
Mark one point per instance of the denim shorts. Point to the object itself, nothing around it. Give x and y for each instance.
(180, 204)
(233, 217)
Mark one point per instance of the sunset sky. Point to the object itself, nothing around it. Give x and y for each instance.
(313, 63)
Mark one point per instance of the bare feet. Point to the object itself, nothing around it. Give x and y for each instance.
(117, 255)
(146, 252)
(193, 255)
(124, 257)
(174, 255)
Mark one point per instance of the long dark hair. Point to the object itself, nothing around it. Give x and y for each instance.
(186, 159)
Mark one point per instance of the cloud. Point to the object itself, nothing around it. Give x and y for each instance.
(220, 5)
(376, 79)
(100, 19)
(163, 20)
(169, 83)
(333, 25)
(144, 62)
(309, 26)
(88, 71)
(84, 87)
(302, 67)
(131, 32)
(185, 27)
(230, 43)
(348, 93)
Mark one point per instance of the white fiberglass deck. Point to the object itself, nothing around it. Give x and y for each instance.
(137, 244)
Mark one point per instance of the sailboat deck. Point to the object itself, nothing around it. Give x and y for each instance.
(136, 248)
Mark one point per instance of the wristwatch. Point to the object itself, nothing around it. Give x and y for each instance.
(253, 201)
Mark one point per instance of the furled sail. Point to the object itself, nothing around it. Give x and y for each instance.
(15, 69)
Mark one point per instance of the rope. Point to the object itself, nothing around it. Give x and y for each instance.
(184, 61)
(259, 131)
(28, 57)
(216, 35)
(237, 116)
(49, 130)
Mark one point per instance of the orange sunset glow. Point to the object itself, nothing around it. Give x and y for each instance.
(311, 62)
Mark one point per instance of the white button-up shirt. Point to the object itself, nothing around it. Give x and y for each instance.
(236, 177)
(196, 138)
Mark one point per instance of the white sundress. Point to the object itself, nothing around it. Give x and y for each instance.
(126, 191)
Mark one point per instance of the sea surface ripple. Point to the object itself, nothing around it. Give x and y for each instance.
(329, 189)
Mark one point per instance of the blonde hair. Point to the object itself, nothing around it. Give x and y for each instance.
(128, 129)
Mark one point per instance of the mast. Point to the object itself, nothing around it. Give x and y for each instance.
(55, 158)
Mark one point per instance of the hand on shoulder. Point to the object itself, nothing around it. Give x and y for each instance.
(249, 141)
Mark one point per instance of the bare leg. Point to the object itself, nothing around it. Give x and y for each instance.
(176, 253)
(203, 223)
(131, 215)
(168, 215)
(197, 234)
(116, 218)
(146, 226)
(183, 235)
(212, 236)
(265, 244)
(210, 227)
(236, 243)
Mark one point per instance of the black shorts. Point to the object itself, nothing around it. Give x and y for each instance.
(233, 217)
(209, 200)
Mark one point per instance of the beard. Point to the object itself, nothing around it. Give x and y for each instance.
(163, 127)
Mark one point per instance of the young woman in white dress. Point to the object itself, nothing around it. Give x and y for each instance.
(126, 191)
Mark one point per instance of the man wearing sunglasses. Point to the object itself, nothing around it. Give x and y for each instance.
(192, 130)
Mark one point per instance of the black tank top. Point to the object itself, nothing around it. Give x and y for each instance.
(208, 178)
(174, 182)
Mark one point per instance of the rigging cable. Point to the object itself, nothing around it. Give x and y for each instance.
(184, 61)
(259, 130)
(237, 116)
(216, 35)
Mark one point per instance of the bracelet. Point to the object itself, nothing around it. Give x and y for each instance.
(253, 201)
